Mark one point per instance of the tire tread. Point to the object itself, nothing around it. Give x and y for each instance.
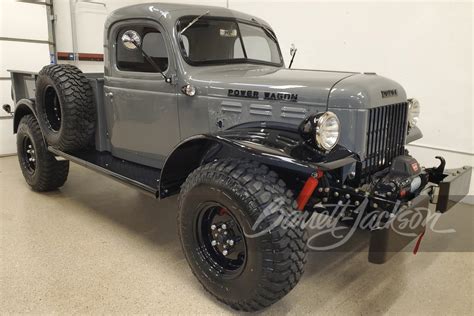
(285, 252)
(76, 98)
(52, 174)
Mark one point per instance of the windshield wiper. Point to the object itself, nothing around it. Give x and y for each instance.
(266, 30)
(194, 21)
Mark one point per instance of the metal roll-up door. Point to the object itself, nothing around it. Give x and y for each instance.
(26, 43)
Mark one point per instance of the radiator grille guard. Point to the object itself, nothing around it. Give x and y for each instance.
(385, 137)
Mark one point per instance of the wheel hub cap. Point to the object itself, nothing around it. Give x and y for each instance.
(221, 240)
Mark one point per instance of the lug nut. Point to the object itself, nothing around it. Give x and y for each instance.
(224, 226)
(325, 199)
(320, 190)
(225, 252)
(326, 190)
(225, 233)
(336, 194)
(356, 203)
(213, 227)
(375, 205)
(213, 242)
(230, 242)
(347, 196)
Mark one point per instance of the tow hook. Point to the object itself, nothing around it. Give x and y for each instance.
(436, 174)
(308, 189)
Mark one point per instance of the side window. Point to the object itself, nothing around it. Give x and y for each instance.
(152, 43)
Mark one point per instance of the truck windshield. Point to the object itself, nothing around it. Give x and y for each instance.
(219, 41)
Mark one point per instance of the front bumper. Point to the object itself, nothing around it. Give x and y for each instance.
(399, 231)
(408, 223)
(452, 189)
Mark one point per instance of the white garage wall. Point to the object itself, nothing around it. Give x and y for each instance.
(426, 46)
(19, 55)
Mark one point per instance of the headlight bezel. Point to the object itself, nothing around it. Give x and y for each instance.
(414, 111)
(312, 129)
(321, 130)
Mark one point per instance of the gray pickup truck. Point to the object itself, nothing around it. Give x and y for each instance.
(197, 101)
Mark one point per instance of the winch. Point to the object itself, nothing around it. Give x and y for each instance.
(403, 179)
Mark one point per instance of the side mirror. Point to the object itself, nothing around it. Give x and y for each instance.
(7, 108)
(131, 40)
(293, 50)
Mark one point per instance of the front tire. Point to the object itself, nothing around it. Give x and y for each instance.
(221, 202)
(40, 168)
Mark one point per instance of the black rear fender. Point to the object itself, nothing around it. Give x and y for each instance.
(22, 108)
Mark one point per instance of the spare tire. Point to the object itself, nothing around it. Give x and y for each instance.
(65, 108)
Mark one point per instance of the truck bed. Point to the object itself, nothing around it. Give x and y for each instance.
(99, 159)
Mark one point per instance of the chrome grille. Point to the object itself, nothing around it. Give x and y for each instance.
(385, 136)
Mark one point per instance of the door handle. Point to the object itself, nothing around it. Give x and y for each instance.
(109, 94)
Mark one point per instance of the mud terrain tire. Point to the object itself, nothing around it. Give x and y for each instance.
(39, 167)
(273, 262)
(65, 108)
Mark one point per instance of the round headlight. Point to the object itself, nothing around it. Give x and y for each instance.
(327, 131)
(413, 111)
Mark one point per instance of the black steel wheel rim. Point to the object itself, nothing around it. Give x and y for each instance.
(52, 109)
(28, 155)
(221, 243)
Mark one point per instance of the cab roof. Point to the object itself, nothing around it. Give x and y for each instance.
(169, 13)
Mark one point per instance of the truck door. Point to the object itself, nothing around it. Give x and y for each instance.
(141, 107)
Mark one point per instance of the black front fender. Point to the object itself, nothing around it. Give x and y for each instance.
(277, 145)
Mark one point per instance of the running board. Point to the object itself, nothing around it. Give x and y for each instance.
(147, 179)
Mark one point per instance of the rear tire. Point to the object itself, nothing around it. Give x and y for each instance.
(65, 109)
(40, 168)
(255, 272)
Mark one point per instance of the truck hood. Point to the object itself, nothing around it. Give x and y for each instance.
(306, 87)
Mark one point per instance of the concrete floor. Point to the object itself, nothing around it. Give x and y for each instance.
(96, 246)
